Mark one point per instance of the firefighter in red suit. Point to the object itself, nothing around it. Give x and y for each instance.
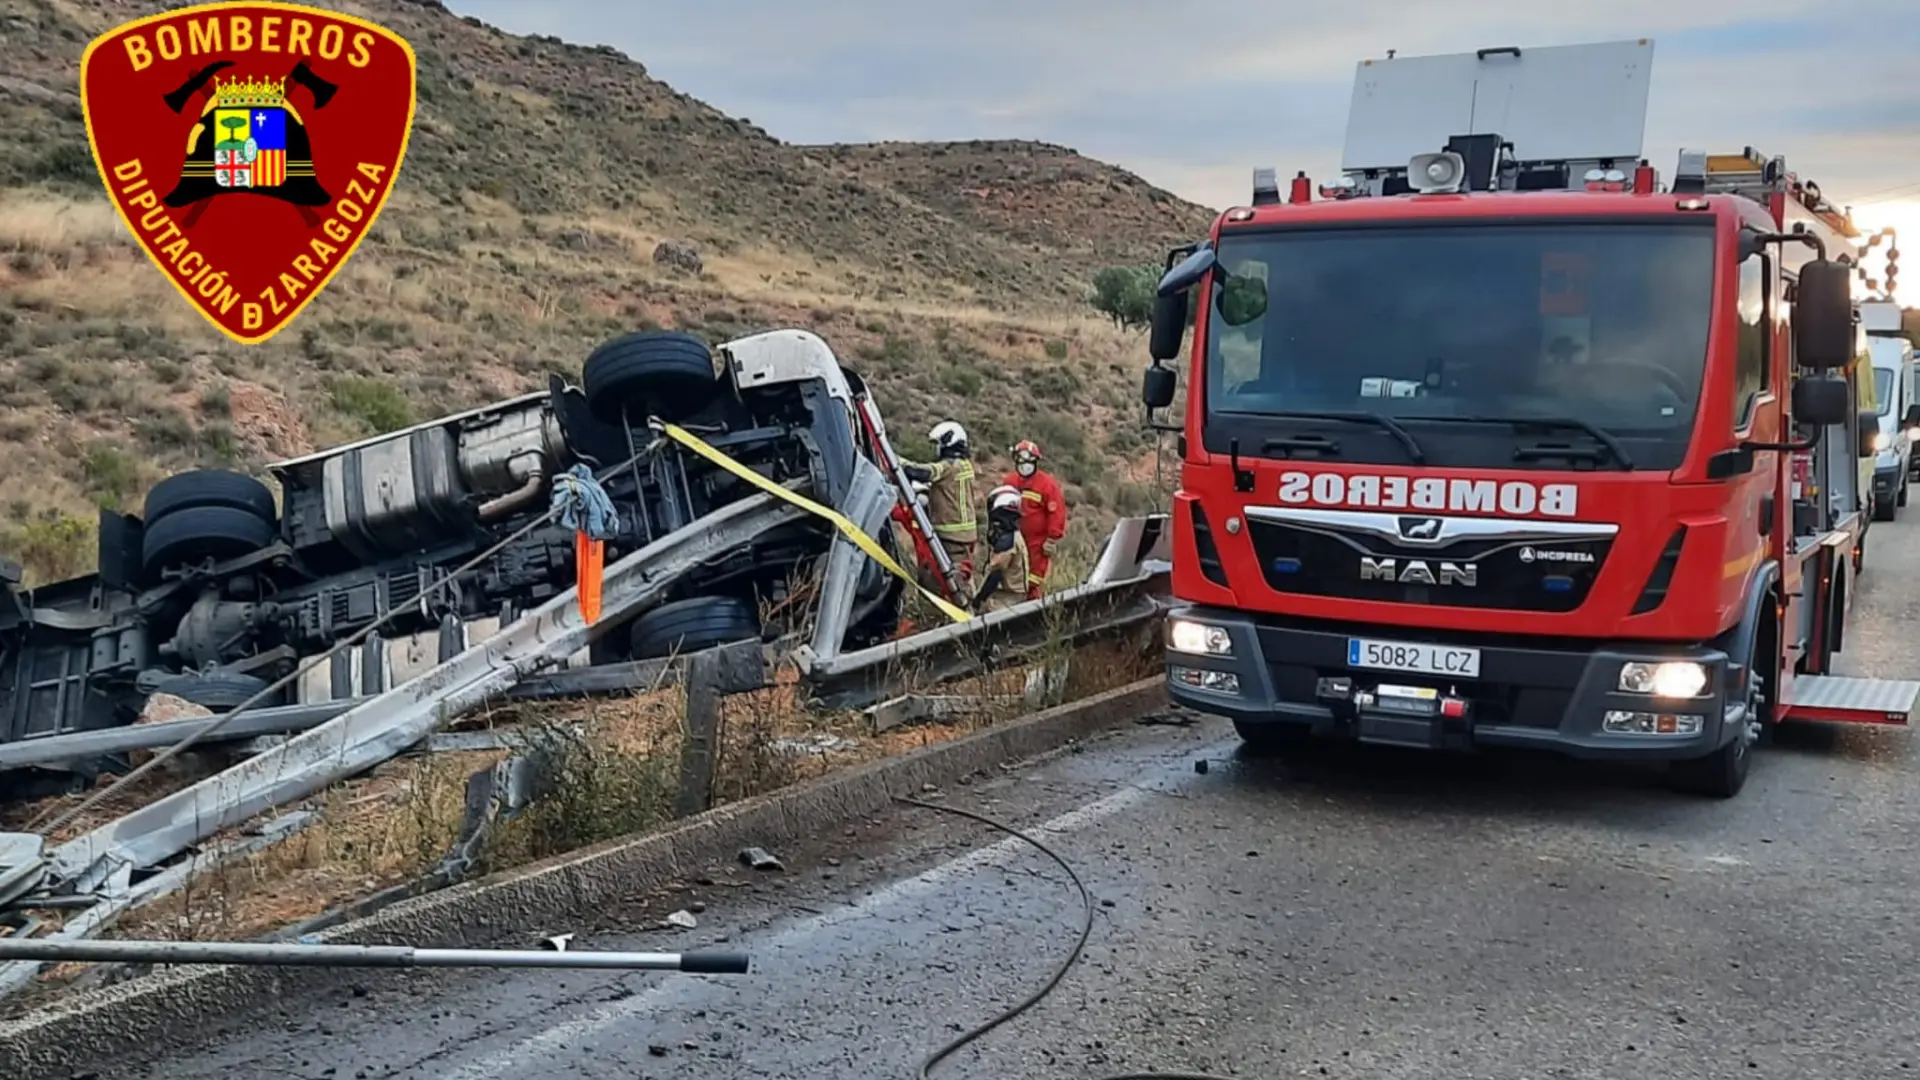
(1043, 513)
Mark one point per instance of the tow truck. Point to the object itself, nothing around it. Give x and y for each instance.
(1499, 440)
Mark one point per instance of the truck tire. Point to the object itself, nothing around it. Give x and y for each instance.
(219, 690)
(687, 626)
(193, 533)
(1885, 509)
(663, 372)
(209, 487)
(1721, 774)
(1261, 739)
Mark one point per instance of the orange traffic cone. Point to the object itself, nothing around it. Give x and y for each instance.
(589, 556)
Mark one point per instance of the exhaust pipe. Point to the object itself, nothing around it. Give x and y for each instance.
(528, 491)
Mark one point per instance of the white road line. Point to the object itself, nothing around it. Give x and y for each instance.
(520, 1057)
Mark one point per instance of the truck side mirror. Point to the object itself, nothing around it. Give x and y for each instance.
(1913, 417)
(1156, 389)
(1821, 400)
(1169, 326)
(1823, 315)
(1869, 434)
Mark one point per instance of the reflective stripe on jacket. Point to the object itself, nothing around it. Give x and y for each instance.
(950, 499)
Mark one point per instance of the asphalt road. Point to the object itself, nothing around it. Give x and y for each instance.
(1363, 915)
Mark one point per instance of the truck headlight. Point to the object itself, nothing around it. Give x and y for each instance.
(1198, 638)
(1880, 441)
(1673, 679)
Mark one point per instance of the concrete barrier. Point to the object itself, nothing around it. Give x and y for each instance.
(165, 1009)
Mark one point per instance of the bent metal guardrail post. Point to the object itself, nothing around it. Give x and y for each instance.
(1124, 590)
(100, 861)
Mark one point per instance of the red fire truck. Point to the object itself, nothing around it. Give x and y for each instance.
(1503, 441)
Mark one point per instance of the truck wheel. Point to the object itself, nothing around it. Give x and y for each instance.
(663, 372)
(1263, 738)
(1723, 773)
(220, 690)
(209, 487)
(687, 626)
(203, 532)
(1885, 509)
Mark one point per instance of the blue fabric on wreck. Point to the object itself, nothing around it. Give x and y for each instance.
(583, 505)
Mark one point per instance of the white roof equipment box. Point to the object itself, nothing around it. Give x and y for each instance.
(1572, 104)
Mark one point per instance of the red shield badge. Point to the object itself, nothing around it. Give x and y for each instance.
(249, 146)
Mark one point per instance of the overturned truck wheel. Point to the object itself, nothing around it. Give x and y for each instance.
(688, 626)
(663, 373)
(193, 533)
(199, 488)
(219, 690)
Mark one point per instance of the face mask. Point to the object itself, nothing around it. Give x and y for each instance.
(1025, 468)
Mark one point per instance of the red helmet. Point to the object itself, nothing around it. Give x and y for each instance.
(1026, 450)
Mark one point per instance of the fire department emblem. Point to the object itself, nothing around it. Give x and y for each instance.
(249, 147)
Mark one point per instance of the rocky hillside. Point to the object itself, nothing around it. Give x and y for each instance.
(1045, 198)
(952, 275)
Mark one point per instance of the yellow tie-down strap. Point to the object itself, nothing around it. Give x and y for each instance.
(840, 521)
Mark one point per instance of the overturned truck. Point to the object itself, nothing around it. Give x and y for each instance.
(218, 589)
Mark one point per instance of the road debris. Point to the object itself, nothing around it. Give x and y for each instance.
(760, 859)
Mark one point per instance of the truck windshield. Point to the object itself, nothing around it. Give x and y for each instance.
(1460, 332)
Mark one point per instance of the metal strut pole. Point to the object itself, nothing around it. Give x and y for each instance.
(276, 954)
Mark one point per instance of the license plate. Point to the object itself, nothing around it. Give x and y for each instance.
(1413, 656)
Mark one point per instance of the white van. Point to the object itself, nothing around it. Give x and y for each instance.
(1898, 403)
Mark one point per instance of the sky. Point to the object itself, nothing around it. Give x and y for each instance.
(1194, 96)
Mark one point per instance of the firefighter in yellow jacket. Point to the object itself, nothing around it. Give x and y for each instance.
(1004, 570)
(949, 482)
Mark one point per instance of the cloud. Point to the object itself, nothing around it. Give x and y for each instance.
(1194, 96)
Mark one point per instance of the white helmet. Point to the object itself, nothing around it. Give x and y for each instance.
(948, 437)
(1004, 497)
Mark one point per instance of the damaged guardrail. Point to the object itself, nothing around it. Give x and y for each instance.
(1126, 590)
(104, 873)
(101, 863)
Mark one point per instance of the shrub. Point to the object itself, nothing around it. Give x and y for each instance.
(52, 547)
(373, 403)
(111, 474)
(1125, 295)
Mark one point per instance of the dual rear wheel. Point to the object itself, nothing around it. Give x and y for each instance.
(205, 514)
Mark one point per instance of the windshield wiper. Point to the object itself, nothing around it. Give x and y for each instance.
(1600, 434)
(1385, 423)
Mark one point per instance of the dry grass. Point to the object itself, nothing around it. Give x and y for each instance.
(49, 224)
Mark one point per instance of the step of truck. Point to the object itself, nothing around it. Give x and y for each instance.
(1851, 701)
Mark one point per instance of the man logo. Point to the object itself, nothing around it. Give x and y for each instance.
(1419, 572)
(1420, 528)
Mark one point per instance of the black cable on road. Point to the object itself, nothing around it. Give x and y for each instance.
(925, 1071)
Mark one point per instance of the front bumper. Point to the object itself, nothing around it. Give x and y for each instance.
(1529, 693)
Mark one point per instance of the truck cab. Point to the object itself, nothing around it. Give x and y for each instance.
(1501, 441)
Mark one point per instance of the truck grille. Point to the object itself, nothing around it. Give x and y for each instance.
(1424, 559)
